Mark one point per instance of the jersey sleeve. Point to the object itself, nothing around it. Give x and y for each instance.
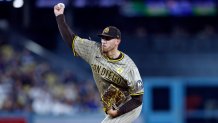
(135, 82)
(83, 48)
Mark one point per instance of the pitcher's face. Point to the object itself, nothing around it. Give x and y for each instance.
(108, 44)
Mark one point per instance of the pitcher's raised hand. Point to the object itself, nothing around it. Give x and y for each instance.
(59, 9)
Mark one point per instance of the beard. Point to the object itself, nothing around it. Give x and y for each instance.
(104, 50)
(107, 49)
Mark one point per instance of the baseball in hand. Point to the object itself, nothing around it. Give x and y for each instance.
(60, 5)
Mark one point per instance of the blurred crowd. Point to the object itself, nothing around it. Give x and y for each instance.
(180, 39)
(28, 84)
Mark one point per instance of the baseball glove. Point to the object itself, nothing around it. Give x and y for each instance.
(112, 97)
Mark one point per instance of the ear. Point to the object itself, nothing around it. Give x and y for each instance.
(118, 41)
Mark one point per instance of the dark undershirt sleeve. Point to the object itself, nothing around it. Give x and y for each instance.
(66, 33)
(135, 102)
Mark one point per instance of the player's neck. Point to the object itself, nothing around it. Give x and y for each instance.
(114, 54)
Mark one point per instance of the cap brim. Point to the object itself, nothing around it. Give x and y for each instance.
(104, 35)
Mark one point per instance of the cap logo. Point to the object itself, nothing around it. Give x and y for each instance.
(106, 30)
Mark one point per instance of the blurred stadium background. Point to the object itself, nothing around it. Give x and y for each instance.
(174, 43)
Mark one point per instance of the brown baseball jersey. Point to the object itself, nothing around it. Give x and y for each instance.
(121, 72)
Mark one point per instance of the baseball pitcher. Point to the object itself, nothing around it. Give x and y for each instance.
(116, 75)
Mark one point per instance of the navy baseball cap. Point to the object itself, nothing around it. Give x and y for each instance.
(111, 32)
